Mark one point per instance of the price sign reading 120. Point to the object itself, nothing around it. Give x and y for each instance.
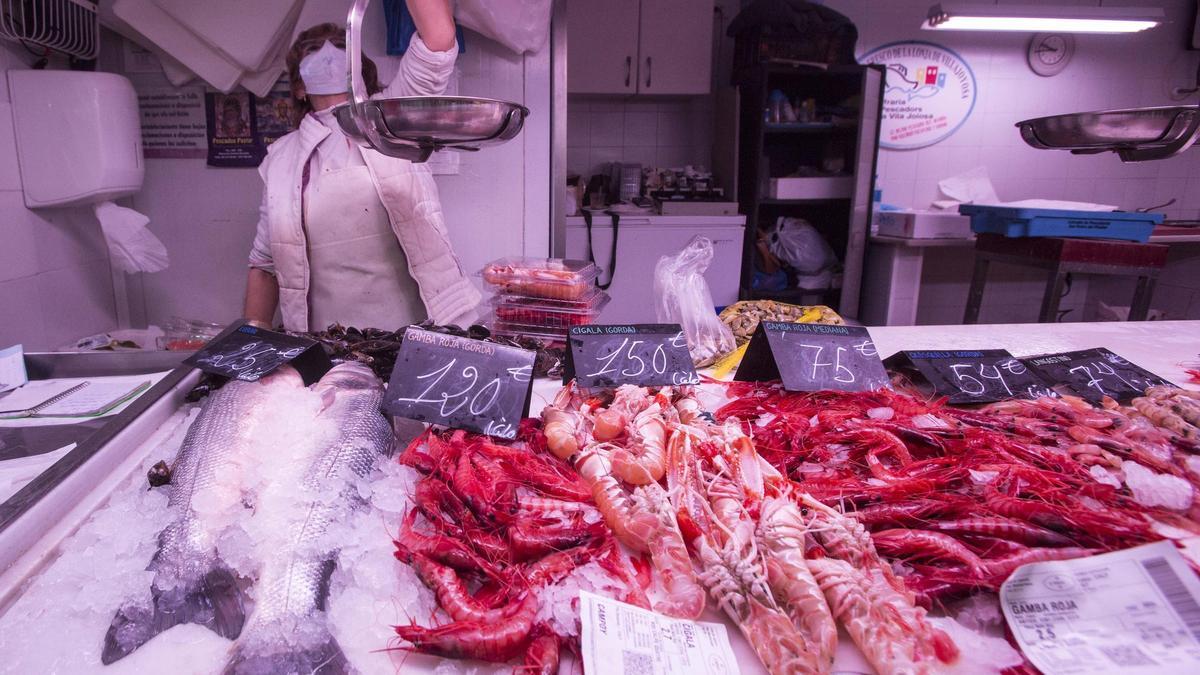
(811, 357)
(642, 354)
(459, 382)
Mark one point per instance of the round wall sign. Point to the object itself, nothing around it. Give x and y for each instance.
(928, 92)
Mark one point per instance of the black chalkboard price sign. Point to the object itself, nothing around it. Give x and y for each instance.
(1094, 373)
(459, 382)
(812, 357)
(247, 353)
(972, 376)
(648, 355)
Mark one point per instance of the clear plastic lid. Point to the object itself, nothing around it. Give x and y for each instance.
(542, 270)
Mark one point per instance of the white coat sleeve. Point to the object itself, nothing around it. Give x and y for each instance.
(260, 251)
(422, 72)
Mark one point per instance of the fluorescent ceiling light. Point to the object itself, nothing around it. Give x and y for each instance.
(1042, 19)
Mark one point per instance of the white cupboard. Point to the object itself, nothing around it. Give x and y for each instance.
(639, 46)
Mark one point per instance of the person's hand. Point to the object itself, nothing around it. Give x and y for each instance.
(435, 23)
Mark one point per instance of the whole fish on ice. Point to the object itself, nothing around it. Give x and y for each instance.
(288, 632)
(191, 584)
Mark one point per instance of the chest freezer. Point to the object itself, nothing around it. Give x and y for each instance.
(640, 241)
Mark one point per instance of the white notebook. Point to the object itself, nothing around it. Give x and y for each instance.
(83, 399)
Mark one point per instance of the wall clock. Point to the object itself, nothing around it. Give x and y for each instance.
(1049, 53)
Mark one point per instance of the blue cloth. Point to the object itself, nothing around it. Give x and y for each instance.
(400, 28)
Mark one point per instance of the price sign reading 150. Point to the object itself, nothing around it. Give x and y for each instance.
(636, 358)
(647, 355)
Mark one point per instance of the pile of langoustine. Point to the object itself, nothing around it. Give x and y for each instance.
(961, 498)
(492, 530)
(786, 568)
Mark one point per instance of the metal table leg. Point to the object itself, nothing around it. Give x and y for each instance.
(975, 295)
(1141, 298)
(1054, 284)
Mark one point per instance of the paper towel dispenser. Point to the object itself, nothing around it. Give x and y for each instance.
(79, 137)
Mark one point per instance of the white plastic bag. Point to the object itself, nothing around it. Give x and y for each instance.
(521, 25)
(681, 296)
(798, 244)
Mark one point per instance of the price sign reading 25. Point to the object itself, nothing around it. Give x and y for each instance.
(461, 383)
(641, 354)
(248, 353)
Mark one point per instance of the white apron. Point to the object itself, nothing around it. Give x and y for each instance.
(359, 273)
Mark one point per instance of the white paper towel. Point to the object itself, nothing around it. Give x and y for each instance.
(132, 247)
(975, 187)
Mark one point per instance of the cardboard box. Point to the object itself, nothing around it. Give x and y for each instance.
(817, 187)
(924, 224)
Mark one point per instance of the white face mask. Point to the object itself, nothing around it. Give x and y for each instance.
(324, 71)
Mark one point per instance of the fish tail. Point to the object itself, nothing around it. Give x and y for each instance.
(322, 658)
(215, 601)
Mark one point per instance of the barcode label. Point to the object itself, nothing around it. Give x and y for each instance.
(1177, 595)
(637, 663)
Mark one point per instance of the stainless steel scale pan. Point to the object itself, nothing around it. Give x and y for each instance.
(413, 127)
(1136, 135)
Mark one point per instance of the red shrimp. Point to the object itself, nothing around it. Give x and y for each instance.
(549, 506)
(541, 658)
(990, 547)
(903, 543)
(452, 595)
(1033, 511)
(1003, 528)
(998, 569)
(438, 547)
(539, 471)
(532, 539)
(495, 641)
(907, 514)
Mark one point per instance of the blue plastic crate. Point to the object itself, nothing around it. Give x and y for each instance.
(1013, 221)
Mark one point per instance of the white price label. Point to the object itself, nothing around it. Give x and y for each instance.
(620, 639)
(1131, 612)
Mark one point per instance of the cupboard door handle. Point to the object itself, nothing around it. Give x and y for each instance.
(628, 69)
(647, 72)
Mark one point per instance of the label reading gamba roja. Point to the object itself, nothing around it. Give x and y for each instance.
(459, 382)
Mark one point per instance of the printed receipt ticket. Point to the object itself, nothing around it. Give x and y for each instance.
(1133, 612)
(620, 639)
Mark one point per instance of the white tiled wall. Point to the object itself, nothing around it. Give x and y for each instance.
(55, 280)
(663, 133)
(1107, 71)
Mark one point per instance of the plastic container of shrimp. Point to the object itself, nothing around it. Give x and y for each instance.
(552, 278)
(550, 313)
(544, 333)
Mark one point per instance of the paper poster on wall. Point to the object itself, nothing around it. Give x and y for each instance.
(241, 126)
(929, 91)
(173, 124)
